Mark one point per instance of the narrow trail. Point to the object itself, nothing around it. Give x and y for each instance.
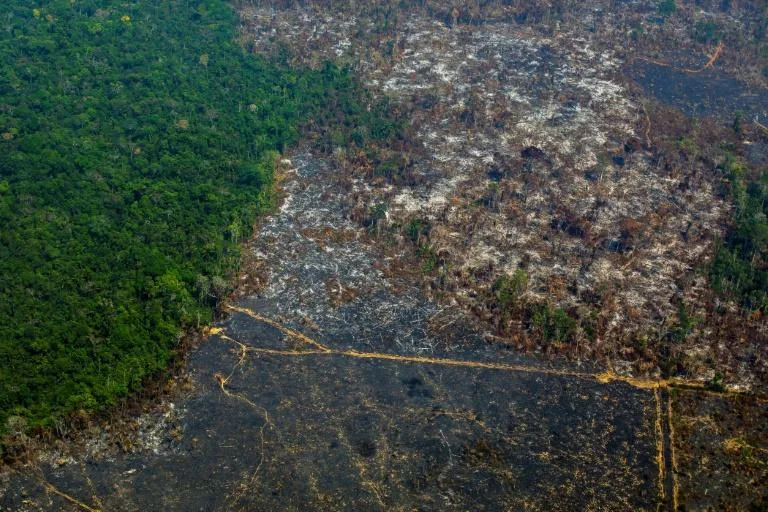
(665, 458)
(604, 377)
(277, 415)
(718, 50)
(74, 501)
(668, 485)
(375, 410)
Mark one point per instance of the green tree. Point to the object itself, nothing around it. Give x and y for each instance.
(667, 7)
(509, 289)
(130, 171)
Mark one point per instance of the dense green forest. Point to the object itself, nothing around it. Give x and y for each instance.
(137, 145)
(740, 268)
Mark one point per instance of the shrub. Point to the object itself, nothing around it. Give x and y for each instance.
(667, 7)
(509, 289)
(553, 324)
(707, 32)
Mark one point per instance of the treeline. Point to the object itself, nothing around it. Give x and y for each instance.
(137, 145)
(740, 266)
(732, 156)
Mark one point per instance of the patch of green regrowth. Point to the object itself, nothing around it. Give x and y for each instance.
(509, 289)
(552, 324)
(738, 123)
(685, 324)
(417, 229)
(589, 324)
(666, 7)
(739, 269)
(429, 259)
(707, 32)
(717, 383)
(377, 214)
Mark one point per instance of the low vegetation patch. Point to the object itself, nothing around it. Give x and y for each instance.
(740, 269)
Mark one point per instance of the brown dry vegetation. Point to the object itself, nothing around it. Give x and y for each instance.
(529, 151)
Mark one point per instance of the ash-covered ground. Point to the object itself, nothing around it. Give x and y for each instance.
(336, 387)
(354, 373)
(536, 148)
(310, 399)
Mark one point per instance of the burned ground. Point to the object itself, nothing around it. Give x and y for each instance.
(384, 401)
(542, 148)
(301, 403)
(376, 360)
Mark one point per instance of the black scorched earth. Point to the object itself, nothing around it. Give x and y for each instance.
(341, 381)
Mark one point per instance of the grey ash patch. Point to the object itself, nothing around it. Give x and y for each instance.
(271, 424)
(708, 93)
(302, 267)
(298, 431)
